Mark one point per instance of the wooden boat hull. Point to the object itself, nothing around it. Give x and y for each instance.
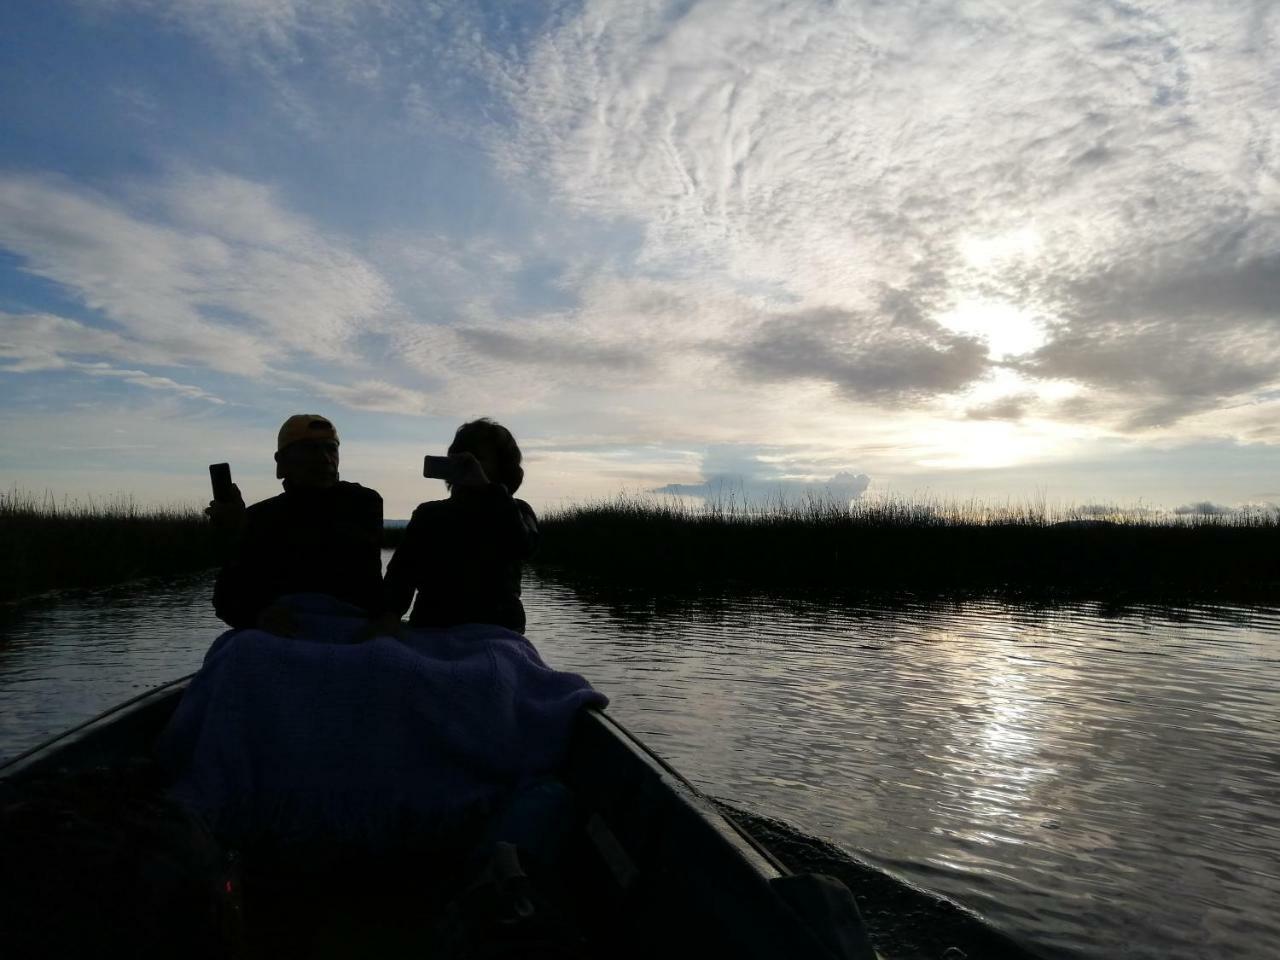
(656, 868)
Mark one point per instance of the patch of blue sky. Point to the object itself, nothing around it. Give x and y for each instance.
(24, 292)
(105, 97)
(396, 140)
(95, 98)
(64, 391)
(539, 285)
(113, 99)
(241, 396)
(37, 392)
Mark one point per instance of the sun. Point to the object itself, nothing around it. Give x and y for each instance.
(1007, 329)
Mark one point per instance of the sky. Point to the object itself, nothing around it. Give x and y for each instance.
(947, 250)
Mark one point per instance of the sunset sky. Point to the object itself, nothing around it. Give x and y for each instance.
(1010, 251)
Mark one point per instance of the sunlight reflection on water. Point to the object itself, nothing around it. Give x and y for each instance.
(1098, 784)
(1095, 783)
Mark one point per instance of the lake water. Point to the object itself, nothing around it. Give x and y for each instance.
(1097, 784)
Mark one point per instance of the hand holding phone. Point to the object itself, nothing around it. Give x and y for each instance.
(439, 468)
(460, 469)
(226, 509)
(220, 477)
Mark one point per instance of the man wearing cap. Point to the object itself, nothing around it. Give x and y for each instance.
(322, 535)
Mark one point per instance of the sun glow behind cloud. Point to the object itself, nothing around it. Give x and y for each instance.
(1006, 329)
(992, 444)
(994, 252)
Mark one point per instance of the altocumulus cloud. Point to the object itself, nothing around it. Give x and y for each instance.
(801, 165)
(1111, 170)
(205, 270)
(864, 357)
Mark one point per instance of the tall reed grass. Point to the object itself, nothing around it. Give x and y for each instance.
(47, 543)
(934, 547)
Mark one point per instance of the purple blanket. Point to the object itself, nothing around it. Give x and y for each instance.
(301, 739)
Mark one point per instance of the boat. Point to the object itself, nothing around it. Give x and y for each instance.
(651, 867)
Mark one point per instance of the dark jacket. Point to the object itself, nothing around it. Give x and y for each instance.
(305, 541)
(464, 556)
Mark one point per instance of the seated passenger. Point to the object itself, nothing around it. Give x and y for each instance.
(322, 535)
(464, 556)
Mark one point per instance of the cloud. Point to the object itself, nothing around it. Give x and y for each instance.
(1103, 180)
(1105, 511)
(44, 341)
(766, 475)
(564, 350)
(1106, 177)
(206, 270)
(1013, 407)
(896, 236)
(809, 139)
(866, 358)
(1172, 339)
(34, 343)
(677, 339)
(761, 490)
(438, 66)
(378, 396)
(621, 333)
(141, 378)
(1205, 508)
(271, 35)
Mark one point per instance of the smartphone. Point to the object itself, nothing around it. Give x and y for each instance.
(439, 468)
(220, 476)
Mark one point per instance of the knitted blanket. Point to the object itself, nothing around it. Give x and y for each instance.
(320, 737)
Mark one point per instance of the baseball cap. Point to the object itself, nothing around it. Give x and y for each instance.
(305, 426)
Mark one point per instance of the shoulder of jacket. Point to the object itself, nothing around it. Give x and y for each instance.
(428, 507)
(357, 490)
(265, 506)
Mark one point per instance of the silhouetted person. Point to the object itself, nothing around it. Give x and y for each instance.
(322, 535)
(464, 556)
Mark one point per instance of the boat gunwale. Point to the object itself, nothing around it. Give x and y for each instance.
(762, 860)
(17, 766)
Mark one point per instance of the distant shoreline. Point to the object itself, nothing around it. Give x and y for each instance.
(666, 548)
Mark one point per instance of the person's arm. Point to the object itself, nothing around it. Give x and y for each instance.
(370, 572)
(239, 593)
(526, 536)
(400, 581)
(227, 518)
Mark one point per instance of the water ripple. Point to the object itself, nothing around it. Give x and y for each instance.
(1099, 782)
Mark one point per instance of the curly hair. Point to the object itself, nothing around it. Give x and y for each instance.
(486, 436)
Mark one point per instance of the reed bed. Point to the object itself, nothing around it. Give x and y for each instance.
(47, 544)
(921, 547)
(673, 546)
